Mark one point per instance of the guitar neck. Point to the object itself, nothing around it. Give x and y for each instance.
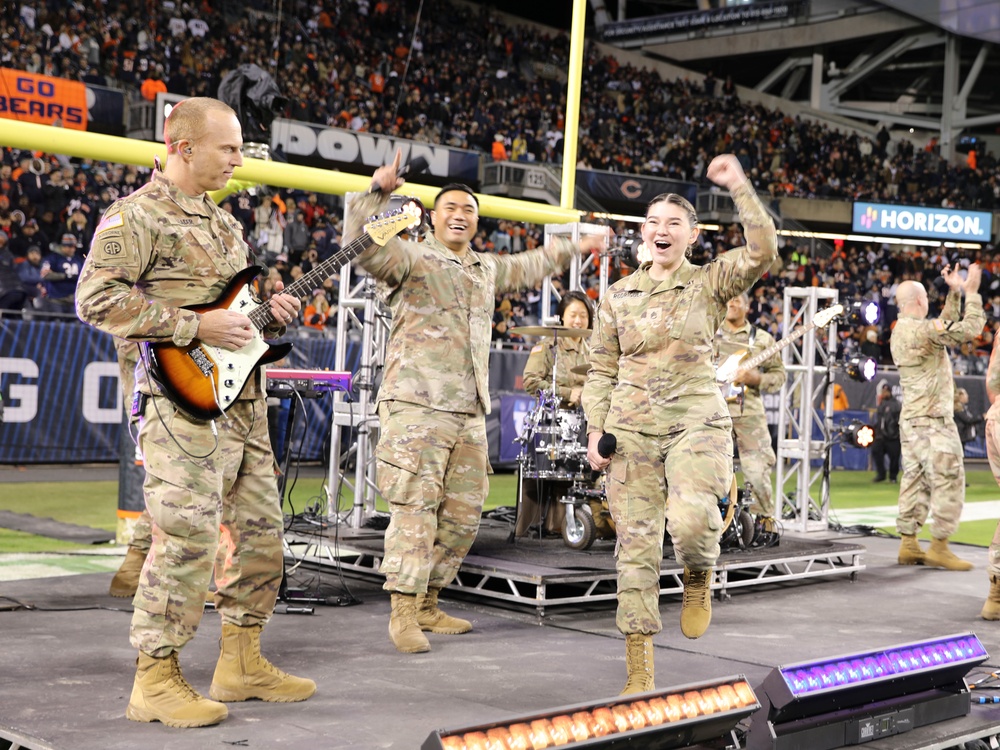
(776, 347)
(301, 287)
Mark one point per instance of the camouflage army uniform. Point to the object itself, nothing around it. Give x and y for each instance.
(653, 386)
(750, 422)
(432, 456)
(572, 352)
(933, 467)
(993, 453)
(154, 251)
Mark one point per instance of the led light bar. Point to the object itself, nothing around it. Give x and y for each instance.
(813, 677)
(672, 718)
(844, 700)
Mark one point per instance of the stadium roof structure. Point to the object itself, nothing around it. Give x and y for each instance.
(917, 64)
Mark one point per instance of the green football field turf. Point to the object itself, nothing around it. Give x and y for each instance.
(94, 503)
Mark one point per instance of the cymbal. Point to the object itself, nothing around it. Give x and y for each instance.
(580, 369)
(574, 333)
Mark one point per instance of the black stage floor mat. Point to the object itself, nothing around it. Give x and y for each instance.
(69, 532)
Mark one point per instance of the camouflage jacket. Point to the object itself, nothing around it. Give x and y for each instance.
(442, 311)
(155, 252)
(993, 380)
(572, 352)
(772, 371)
(651, 350)
(919, 349)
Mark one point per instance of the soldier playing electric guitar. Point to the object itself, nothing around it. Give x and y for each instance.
(737, 337)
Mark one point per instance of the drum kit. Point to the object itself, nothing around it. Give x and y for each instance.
(553, 443)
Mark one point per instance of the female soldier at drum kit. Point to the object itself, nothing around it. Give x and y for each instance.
(652, 385)
(553, 457)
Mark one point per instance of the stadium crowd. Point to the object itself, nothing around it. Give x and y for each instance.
(471, 81)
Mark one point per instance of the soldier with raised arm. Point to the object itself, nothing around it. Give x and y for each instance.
(652, 385)
(432, 456)
(933, 462)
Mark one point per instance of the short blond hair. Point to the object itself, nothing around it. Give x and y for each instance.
(187, 119)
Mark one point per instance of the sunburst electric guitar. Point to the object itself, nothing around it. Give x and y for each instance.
(205, 380)
(726, 372)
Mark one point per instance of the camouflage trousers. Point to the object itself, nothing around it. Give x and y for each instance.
(431, 467)
(757, 460)
(686, 473)
(932, 477)
(214, 506)
(142, 532)
(993, 453)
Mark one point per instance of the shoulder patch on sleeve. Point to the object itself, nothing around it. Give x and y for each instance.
(536, 348)
(110, 221)
(113, 244)
(938, 324)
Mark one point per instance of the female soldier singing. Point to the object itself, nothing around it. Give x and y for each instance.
(652, 386)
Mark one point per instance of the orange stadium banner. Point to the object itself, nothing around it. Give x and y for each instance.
(44, 100)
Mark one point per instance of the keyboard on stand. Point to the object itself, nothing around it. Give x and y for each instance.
(284, 382)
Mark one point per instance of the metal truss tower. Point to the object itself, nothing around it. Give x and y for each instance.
(805, 423)
(573, 232)
(360, 316)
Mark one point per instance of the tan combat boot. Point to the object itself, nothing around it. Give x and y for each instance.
(639, 662)
(991, 609)
(404, 630)
(910, 552)
(126, 580)
(160, 693)
(243, 673)
(939, 556)
(429, 617)
(696, 609)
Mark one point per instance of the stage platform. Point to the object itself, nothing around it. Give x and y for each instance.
(545, 573)
(66, 666)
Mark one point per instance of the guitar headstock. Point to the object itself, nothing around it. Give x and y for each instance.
(824, 316)
(383, 227)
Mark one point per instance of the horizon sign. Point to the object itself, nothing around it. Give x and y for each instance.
(896, 220)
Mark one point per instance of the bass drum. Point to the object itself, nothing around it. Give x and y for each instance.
(555, 448)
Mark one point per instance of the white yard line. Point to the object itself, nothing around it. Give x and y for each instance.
(885, 515)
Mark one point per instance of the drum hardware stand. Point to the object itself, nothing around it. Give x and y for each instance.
(528, 430)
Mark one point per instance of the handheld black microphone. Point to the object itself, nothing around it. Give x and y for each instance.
(607, 444)
(414, 167)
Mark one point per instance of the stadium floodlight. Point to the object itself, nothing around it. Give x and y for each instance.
(846, 700)
(663, 719)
